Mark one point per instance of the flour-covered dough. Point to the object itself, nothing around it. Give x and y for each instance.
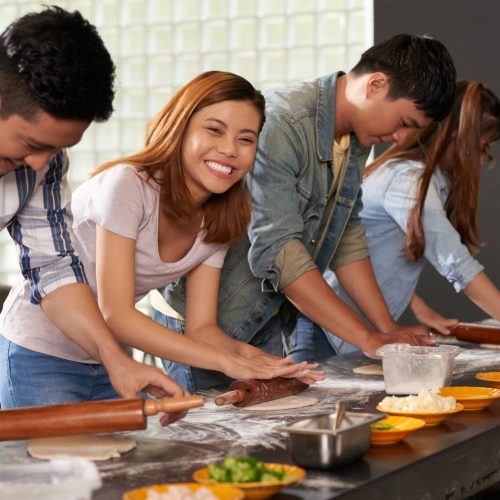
(89, 447)
(372, 369)
(287, 403)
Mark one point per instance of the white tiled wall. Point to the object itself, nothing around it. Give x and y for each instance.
(158, 45)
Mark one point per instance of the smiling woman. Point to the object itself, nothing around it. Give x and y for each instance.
(148, 219)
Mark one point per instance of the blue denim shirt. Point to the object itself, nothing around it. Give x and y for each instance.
(389, 194)
(289, 186)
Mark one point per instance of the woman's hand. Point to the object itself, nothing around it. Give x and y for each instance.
(266, 366)
(430, 318)
(130, 377)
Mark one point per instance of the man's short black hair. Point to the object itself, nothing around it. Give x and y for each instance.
(419, 68)
(55, 61)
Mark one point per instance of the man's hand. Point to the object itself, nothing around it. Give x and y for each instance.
(129, 377)
(413, 335)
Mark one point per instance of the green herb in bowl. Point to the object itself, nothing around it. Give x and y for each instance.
(243, 470)
(379, 426)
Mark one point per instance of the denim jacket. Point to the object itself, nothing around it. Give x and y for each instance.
(289, 186)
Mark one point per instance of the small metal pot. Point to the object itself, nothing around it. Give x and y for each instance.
(314, 444)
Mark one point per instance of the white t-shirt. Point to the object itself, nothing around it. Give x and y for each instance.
(120, 200)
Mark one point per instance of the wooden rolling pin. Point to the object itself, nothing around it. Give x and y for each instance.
(251, 392)
(482, 334)
(89, 417)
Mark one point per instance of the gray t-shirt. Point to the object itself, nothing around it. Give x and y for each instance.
(122, 201)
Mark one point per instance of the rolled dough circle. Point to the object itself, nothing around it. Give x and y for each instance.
(89, 447)
(287, 403)
(372, 369)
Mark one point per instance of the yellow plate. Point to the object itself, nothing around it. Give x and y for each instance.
(431, 418)
(402, 427)
(493, 378)
(222, 492)
(473, 398)
(259, 490)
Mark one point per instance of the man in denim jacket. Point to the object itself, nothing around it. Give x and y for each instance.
(306, 202)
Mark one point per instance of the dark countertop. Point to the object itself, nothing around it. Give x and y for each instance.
(453, 460)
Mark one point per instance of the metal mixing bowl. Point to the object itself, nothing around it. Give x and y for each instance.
(315, 445)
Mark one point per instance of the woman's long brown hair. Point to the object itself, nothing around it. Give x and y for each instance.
(226, 215)
(454, 146)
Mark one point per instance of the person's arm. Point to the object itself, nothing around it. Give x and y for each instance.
(73, 309)
(201, 324)
(42, 231)
(430, 318)
(115, 271)
(358, 281)
(312, 296)
(483, 292)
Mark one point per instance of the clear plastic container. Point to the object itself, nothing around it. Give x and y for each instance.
(409, 369)
(54, 480)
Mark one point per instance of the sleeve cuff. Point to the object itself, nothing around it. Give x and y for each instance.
(352, 247)
(294, 260)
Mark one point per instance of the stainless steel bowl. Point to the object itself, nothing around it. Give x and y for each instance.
(314, 444)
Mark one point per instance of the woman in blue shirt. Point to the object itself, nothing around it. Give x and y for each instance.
(419, 205)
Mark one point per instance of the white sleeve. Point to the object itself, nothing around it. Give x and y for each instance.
(116, 201)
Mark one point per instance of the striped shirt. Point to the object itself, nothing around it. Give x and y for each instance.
(35, 209)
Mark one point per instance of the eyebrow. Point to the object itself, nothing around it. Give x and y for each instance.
(42, 145)
(243, 130)
(414, 123)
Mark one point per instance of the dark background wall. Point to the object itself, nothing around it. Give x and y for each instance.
(470, 31)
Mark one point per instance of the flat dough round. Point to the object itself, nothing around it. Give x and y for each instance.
(287, 403)
(373, 369)
(89, 447)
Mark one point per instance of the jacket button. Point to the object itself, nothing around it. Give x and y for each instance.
(258, 319)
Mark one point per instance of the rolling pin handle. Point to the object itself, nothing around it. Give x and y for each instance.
(231, 397)
(171, 405)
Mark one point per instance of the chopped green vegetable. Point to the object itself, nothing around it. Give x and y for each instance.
(243, 470)
(378, 426)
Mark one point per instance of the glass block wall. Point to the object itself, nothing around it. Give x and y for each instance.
(158, 45)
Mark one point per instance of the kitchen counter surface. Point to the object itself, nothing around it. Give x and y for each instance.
(454, 460)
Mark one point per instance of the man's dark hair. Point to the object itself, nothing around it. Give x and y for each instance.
(55, 61)
(419, 68)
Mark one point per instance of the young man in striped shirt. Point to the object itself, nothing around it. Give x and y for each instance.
(56, 77)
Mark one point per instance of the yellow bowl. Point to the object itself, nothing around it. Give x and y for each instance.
(222, 492)
(493, 378)
(259, 490)
(401, 428)
(473, 398)
(431, 418)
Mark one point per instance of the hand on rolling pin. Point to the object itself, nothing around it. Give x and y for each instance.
(265, 366)
(305, 372)
(430, 318)
(130, 377)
